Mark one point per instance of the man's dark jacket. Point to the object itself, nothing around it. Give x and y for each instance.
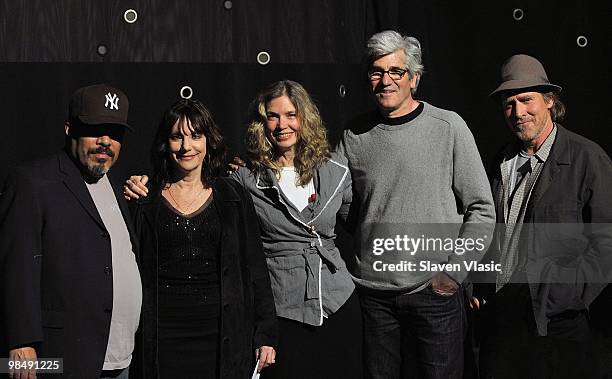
(56, 265)
(566, 239)
(248, 316)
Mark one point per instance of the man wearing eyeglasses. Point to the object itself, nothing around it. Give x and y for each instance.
(413, 165)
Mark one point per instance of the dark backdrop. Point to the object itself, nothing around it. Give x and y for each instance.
(48, 48)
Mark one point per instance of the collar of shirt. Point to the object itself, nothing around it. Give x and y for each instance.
(544, 150)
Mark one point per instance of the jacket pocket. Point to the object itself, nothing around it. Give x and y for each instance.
(561, 223)
(288, 276)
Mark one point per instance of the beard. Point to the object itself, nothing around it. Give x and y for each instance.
(528, 131)
(97, 168)
(94, 171)
(525, 135)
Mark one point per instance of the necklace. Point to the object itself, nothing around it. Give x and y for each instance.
(178, 207)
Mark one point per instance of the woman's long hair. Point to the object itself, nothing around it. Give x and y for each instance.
(312, 148)
(201, 122)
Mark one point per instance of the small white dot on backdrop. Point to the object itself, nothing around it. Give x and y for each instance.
(518, 14)
(102, 50)
(263, 58)
(130, 16)
(582, 41)
(186, 92)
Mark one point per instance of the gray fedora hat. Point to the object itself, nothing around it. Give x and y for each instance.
(523, 71)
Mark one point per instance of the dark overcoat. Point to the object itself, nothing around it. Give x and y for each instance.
(248, 317)
(566, 237)
(56, 265)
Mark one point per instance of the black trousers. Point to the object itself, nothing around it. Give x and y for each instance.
(510, 347)
(319, 352)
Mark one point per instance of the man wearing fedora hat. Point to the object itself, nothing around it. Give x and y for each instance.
(553, 238)
(70, 284)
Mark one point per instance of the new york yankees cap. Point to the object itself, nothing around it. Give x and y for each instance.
(100, 104)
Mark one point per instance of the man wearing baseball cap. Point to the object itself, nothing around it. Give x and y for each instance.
(71, 286)
(553, 236)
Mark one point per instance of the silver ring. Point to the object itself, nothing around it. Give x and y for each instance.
(518, 14)
(582, 41)
(130, 16)
(342, 90)
(263, 58)
(188, 90)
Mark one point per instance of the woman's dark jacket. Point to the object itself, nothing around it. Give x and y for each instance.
(248, 317)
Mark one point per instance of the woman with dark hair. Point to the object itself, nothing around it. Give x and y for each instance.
(208, 311)
(297, 189)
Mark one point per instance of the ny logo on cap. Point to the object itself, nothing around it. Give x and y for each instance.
(113, 100)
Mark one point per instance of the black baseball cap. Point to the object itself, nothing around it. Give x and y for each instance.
(100, 104)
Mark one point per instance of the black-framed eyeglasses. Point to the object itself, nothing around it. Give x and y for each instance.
(395, 73)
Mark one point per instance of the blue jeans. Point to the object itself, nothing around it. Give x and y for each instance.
(417, 335)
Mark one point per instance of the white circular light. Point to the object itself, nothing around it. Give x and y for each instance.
(130, 16)
(342, 91)
(518, 14)
(227, 4)
(582, 41)
(186, 92)
(263, 58)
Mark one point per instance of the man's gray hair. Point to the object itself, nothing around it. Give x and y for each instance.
(388, 41)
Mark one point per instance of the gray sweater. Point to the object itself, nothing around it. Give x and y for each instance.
(412, 180)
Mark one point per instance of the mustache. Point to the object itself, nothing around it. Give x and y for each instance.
(102, 150)
(381, 87)
(521, 120)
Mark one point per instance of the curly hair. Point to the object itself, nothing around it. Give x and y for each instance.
(312, 148)
(201, 122)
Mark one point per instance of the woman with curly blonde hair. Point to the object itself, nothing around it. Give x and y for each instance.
(310, 150)
(297, 189)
